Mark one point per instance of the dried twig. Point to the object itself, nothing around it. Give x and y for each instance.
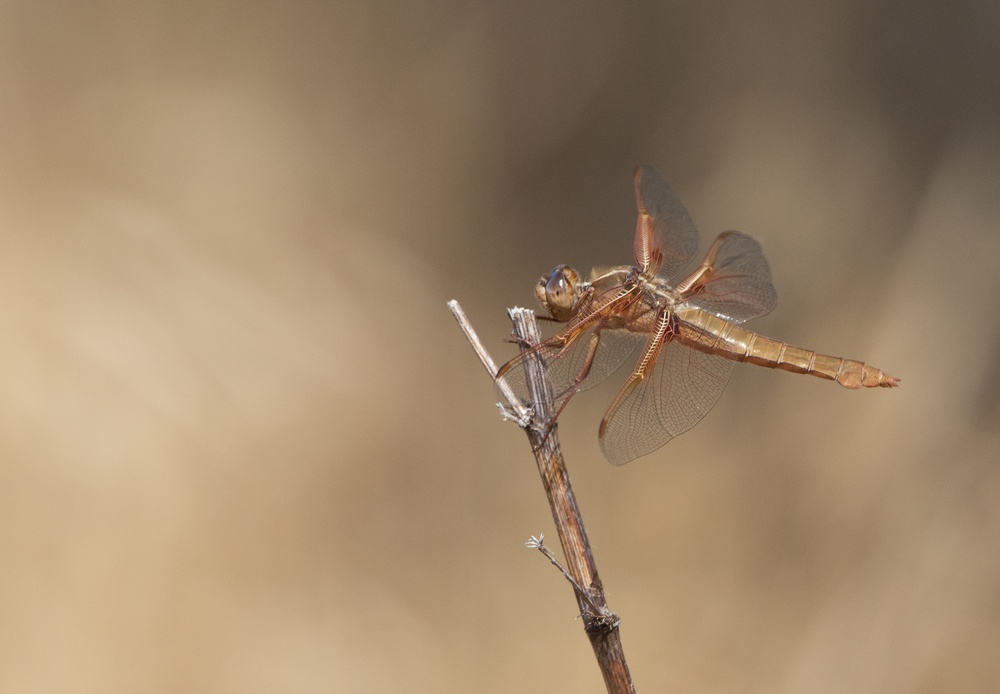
(521, 412)
(597, 611)
(600, 623)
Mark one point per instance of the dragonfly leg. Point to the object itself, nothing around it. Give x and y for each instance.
(581, 376)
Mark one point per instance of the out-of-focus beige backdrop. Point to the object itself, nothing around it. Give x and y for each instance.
(245, 448)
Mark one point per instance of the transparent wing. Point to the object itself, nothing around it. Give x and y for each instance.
(735, 281)
(665, 236)
(682, 386)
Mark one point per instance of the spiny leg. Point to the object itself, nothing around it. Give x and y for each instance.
(580, 377)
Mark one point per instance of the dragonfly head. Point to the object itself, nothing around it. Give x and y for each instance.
(558, 293)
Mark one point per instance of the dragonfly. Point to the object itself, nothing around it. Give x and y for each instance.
(688, 326)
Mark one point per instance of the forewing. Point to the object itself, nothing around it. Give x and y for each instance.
(665, 237)
(737, 287)
(684, 384)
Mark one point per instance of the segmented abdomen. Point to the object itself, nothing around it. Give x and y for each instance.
(708, 333)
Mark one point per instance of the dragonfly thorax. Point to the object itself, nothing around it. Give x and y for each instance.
(665, 294)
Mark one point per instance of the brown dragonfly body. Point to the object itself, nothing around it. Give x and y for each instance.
(689, 329)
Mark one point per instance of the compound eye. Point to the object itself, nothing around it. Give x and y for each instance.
(560, 292)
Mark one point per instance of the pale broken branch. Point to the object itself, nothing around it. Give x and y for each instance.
(513, 409)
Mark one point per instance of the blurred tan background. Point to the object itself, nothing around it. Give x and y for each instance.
(245, 448)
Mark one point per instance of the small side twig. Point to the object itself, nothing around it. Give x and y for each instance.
(539, 543)
(600, 623)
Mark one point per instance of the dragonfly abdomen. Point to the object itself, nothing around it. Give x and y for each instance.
(733, 342)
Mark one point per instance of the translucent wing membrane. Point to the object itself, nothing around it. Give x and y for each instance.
(665, 236)
(736, 280)
(680, 388)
